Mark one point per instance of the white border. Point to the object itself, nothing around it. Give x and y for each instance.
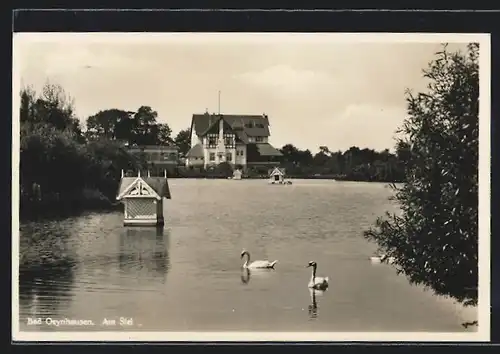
(483, 332)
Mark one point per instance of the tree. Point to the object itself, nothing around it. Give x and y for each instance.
(434, 240)
(163, 134)
(183, 141)
(110, 124)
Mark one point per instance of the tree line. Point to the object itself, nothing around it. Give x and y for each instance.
(434, 238)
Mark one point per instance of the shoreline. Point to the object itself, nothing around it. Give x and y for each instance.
(290, 177)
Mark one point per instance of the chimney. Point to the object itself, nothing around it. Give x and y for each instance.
(149, 175)
(123, 174)
(165, 173)
(139, 173)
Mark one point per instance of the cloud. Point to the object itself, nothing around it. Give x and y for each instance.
(284, 79)
(374, 125)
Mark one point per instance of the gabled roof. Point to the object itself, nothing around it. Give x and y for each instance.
(195, 151)
(277, 171)
(203, 122)
(242, 136)
(158, 184)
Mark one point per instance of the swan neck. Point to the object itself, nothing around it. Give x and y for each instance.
(247, 260)
(313, 272)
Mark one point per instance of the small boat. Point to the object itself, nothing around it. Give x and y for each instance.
(382, 259)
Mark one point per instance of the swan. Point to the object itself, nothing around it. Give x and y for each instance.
(256, 264)
(320, 283)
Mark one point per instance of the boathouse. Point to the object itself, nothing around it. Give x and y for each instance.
(277, 175)
(237, 174)
(142, 198)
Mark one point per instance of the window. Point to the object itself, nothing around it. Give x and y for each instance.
(212, 156)
(229, 157)
(259, 125)
(212, 140)
(259, 139)
(228, 140)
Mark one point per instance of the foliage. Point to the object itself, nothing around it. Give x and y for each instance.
(435, 238)
(183, 141)
(353, 164)
(55, 157)
(140, 128)
(224, 169)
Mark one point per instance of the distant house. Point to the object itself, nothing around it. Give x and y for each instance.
(236, 139)
(158, 157)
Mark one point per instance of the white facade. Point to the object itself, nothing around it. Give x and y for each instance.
(236, 154)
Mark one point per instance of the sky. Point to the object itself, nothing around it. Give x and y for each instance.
(316, 90)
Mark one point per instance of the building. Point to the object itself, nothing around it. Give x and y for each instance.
(158, 157)
(237, 174)
(277, 175)
(143, 199)
(237, 139)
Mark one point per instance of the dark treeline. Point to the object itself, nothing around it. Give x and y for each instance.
(354, 164)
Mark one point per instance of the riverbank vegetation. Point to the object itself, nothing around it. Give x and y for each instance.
(434, 240)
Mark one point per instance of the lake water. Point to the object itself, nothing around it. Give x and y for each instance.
(188, 277)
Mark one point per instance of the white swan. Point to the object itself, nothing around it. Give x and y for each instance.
(256, 264)
(320, 283)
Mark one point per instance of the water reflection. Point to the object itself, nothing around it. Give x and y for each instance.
(46, 271)
(246, 274)
(313, 307)
(144, 252)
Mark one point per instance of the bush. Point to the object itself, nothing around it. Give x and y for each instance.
(435, 238)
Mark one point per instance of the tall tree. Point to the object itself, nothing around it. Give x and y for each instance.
(435, 238)
(109, 124)
(183, 141)
(144, 126)
(163, 134)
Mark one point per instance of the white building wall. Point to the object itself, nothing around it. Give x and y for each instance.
(241, 159)
(207, 152)
(194, 138)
